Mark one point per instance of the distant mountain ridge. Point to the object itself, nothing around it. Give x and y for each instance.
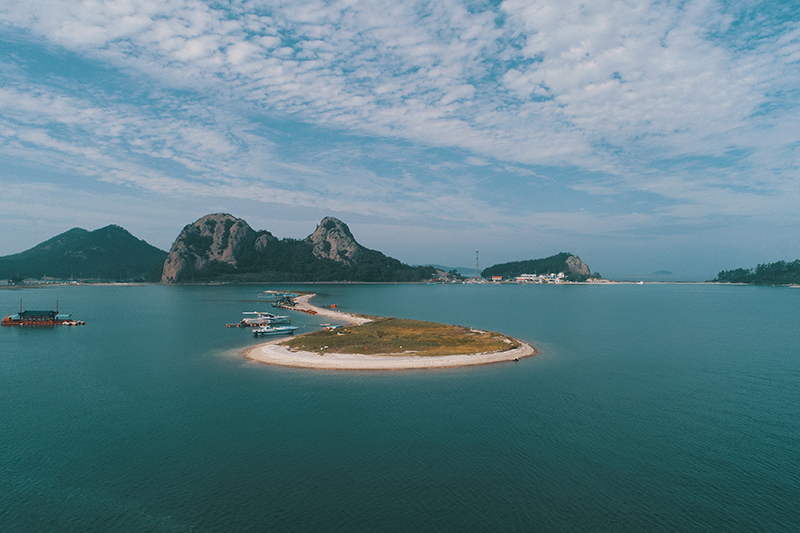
(221, 247)
(570, 265)
(110, 253)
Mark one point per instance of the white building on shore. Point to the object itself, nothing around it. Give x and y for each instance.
(541, 278)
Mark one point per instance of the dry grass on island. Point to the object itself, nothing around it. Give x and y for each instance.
(395, 336)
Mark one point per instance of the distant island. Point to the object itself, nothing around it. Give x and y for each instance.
(570, 265)
(109, 253)
(221, 247)
(777, 273)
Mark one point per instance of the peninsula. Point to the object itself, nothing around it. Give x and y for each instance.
(388, 344)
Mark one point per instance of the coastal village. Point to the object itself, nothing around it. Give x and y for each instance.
(538, 279)
(561, 277)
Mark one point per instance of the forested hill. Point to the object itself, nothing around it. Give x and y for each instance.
(221, 247)
(109, 253)
(571, 265)
(778, 273)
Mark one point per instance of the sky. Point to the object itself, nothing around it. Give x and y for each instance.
(641, 136)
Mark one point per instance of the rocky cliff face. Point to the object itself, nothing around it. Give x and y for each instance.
(576, 266)
(218, 237)
(223, 247)
(332, 240)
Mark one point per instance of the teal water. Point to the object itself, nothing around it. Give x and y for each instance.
(650, 408)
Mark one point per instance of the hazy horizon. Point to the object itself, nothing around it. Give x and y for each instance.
(643, 137)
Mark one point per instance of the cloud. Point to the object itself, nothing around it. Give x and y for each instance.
(692, 106)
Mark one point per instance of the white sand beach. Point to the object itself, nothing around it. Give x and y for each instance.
(274, 353)
(303, 303)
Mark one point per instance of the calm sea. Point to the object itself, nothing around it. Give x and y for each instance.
(650, 408)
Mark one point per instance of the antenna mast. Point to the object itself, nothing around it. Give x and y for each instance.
(477, 271)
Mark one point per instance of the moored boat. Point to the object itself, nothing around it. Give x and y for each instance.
(274, 330)
(261, 319)
(276, 295)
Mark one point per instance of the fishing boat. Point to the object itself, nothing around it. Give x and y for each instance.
(261, 319)
(276, 295)
(40, 318)
(264, 319)
(274, 330)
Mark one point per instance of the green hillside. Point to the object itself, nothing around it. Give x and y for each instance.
(109, 253)
(777, 273)
(293, 260)
(547, 265)
(221, 247)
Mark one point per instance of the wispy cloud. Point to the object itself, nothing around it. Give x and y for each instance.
(691, 106)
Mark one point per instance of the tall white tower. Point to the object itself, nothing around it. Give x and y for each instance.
(477, 271)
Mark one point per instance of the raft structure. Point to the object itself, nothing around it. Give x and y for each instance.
(40, 318)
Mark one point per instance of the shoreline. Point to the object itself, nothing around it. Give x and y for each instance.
(352, 320)
(273, 353)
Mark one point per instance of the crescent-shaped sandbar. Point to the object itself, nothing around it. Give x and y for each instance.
(274, 353)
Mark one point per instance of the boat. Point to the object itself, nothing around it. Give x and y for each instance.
(40, 318)
(284, 301)
(261, 319)
(276, 295)
(264, 319)
(274, 330)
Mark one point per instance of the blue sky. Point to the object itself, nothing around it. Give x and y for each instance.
(642, 136)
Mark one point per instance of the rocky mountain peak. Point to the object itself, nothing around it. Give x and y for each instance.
(218, 237)
(577, 266)
(332, 240)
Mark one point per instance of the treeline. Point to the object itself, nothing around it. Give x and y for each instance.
(294, 260)
(777, 273)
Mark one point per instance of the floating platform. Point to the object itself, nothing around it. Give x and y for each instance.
(40, 318)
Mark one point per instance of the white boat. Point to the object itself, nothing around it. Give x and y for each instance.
(276, 330)
(276, 295)
(263, 319)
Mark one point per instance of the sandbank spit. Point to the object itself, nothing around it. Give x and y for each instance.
(274, 353)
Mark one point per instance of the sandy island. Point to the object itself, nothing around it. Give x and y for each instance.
(274, 354)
